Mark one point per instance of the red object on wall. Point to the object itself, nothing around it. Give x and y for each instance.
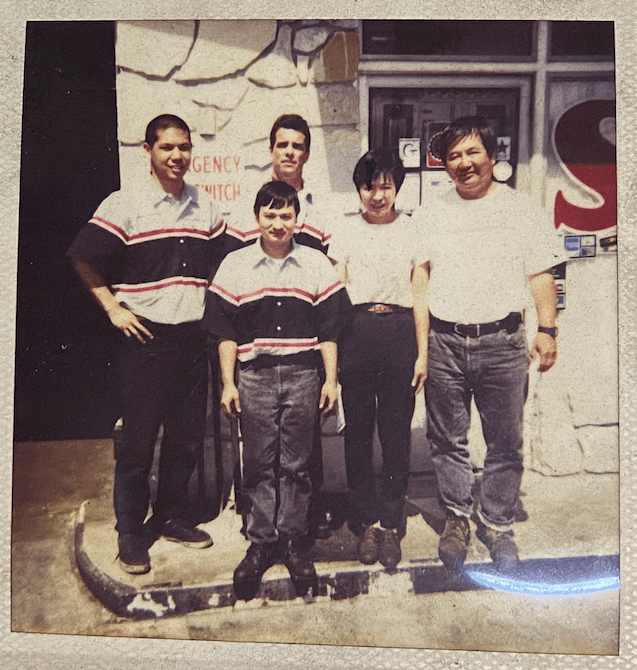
(590, 158)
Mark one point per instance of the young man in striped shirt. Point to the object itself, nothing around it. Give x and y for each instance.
(274, 306)
(146, 256)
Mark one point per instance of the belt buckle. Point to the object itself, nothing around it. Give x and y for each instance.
(457, 331)
(381, 309)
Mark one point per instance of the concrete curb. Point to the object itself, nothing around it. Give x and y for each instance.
(550, 576)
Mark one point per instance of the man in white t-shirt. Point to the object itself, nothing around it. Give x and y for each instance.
(488, 246)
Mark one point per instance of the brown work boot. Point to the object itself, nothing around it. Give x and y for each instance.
(501, 546)
(454, 541)
(389, 553)
(368, 544)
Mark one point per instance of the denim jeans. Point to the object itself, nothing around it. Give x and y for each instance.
(376, 359)
(279, 405)
(493, 369)
(164, 382)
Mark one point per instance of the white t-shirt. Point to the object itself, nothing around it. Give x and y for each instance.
(380, 258)
(482, 252)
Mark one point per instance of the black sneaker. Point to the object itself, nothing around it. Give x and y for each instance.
(501, 546)
(133, 554)
(368, 545)
(247, 575)
(454, 541)
(389, 553)
(195, 538)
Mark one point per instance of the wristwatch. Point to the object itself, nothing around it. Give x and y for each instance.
(549, 331)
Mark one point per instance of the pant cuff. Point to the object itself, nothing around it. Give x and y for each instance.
(502, 528)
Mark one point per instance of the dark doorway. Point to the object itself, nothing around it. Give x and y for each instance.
(65, 371)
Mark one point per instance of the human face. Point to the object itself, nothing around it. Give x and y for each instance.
(277, 228)
(470, 167)
(378, 201)
(170, 158)
(289, 155)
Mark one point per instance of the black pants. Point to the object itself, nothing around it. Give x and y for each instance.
(164, 382)
(376, 358)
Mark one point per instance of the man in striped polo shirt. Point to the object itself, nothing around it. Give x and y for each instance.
(290, 140)
(146, 256)
(274, 306)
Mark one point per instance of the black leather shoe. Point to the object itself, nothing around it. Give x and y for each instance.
(248, 574)
(195, 538)
(133, 554)
(389, 553)
(300, 567)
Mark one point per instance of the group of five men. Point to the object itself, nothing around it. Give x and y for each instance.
(160, 261)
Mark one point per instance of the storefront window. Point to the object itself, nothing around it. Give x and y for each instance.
(583, 39)
(449, 38)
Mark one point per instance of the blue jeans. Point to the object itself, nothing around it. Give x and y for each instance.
(279, 405)
(493, 369)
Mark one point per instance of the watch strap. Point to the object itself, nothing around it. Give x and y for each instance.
(549, 331)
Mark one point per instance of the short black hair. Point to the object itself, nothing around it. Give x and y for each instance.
(291, 122)
(376, 163)
(162, 122)
(276, 195)
(461, 127)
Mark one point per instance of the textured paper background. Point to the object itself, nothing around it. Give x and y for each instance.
(27, 651)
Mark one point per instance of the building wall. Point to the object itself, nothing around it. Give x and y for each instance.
(230, 79)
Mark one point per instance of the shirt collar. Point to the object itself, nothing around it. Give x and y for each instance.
(305, 194)
(156, 194)
(260, 257)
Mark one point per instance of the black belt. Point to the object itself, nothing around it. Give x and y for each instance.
(510, 323)
(381, 308)
(308, 358)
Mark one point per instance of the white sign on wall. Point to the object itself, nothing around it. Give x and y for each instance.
(409, 151)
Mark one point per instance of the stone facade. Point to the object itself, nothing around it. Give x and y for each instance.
(230, 79)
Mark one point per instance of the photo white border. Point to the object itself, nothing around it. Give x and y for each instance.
(26, 651)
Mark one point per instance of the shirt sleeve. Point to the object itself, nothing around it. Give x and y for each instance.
(241, 230)
(318, 221)
(221, 304)
(339, 248)
(332, 303)
(546, 249)
(217, 242)
(102, 242)
(418, 240)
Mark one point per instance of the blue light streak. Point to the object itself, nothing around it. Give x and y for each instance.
(512, 585)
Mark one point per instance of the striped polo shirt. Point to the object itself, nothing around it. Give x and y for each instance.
(313, 223)
(275, 306)
(156, 252)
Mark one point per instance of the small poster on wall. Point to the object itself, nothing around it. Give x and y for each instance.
(433, 129)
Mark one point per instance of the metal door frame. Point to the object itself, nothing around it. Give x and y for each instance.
(523, 83)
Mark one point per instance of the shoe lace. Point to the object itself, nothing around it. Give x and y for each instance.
(456, 528)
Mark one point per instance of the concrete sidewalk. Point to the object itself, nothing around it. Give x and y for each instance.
(569, 541)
